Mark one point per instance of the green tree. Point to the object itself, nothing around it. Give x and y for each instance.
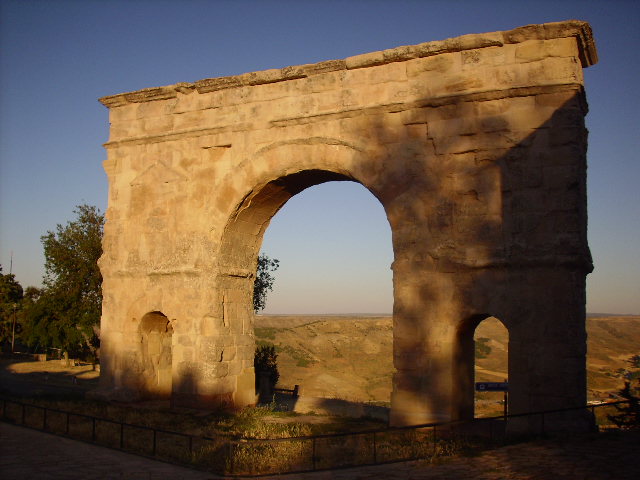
(628, 416)
(263, 283)
(10, 302)
(29, 301)
(67, 311)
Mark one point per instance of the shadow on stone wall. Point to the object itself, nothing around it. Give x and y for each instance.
(493, 223)
(486, 198)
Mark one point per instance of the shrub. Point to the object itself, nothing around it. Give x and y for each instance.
(628, 416)
(265, 360)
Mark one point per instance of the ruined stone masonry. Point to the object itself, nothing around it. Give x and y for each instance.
(476, 148)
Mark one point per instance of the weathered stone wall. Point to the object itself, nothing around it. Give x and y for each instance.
(476, 148)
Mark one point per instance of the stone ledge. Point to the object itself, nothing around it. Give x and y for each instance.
(570, 28)
(427, 103)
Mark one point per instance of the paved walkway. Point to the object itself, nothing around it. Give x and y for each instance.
(26, 454)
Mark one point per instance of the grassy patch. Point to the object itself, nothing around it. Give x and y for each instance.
(264, 343)
(268, 332)
(251, 423)
(301, 357)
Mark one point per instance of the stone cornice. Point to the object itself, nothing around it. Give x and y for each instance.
(346, 113)
(547, 31)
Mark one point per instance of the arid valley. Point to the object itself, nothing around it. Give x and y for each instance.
(350, 357)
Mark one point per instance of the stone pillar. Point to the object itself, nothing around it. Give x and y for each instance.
(425, 313)
(547, 350)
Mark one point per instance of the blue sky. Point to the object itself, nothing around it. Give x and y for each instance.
(58, 57)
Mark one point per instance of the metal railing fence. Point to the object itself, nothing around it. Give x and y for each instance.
(254, 457)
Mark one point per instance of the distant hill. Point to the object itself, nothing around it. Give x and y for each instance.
(350, 357)
(612, 341)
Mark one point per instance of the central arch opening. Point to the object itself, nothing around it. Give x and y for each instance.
(329, 315)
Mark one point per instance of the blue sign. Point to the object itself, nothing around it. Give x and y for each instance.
(492, 386)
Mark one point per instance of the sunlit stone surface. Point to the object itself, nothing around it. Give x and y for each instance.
(476, 148)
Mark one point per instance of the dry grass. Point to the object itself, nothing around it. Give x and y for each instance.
(252, 442)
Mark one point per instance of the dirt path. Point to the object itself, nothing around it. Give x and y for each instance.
(494, 373)
(26, 453)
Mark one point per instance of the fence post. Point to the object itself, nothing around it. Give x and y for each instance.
(375, 449)
(313, 453)
(154, 443)
(232, 466)
(435, 444)
(491, 429)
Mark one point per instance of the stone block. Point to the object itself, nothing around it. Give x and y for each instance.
(459, 83)
(414, 116)
(524, 34)
(494, 124)
(451, 111)
(393, 72)
(211, 385)
(561, 177)
(365, 60)
(444, 63)
(156, 125)
(245, 388)
(485, 57)
(236, 367)
(455, 144)
(531, 51)
(453, 127)
(567, 135)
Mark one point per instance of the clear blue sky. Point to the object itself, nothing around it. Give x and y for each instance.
(58, 57)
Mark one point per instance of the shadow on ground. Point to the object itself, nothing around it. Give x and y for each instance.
(20, 374)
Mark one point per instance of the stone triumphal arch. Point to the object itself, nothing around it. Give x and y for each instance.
(476, 148)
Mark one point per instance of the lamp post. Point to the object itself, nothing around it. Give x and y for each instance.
(13, 328)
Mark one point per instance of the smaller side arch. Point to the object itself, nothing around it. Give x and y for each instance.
(156, 336)
(465, 364)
